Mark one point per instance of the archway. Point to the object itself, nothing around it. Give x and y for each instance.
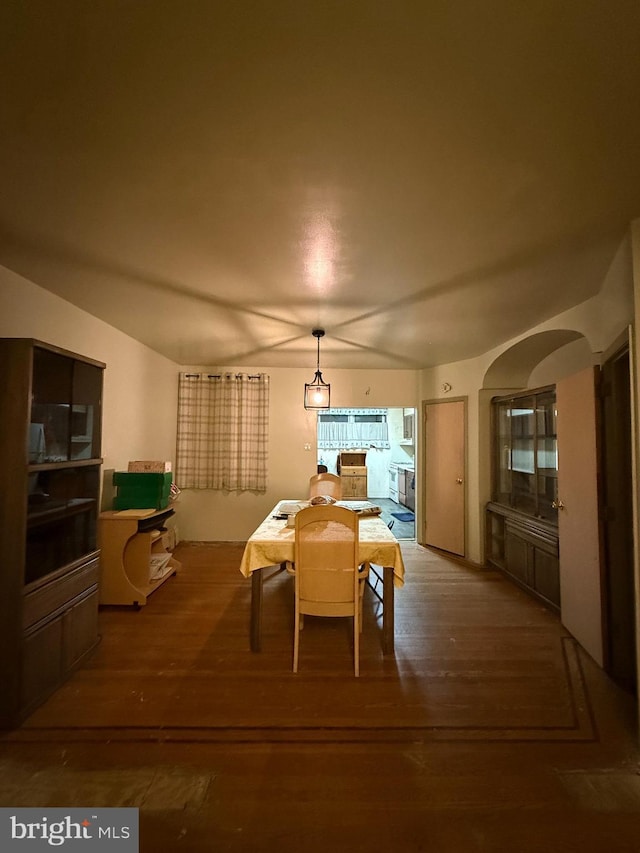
(513, 367)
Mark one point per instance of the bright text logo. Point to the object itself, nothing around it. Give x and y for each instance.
(30, 829)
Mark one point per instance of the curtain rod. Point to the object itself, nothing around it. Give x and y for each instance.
(220, 375)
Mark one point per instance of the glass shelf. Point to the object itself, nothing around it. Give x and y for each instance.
(63, 461)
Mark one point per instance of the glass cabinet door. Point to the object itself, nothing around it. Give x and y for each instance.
(63, 480)
(546, 456)
(65, 409)
(85, 411)
(525, 453)
(50, 407)
(62, 516)
(502, 426)
(523, 488)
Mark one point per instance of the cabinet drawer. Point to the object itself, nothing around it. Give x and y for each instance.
(353, 470)
(56, 595)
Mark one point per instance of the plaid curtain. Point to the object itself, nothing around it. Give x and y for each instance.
(223, 424)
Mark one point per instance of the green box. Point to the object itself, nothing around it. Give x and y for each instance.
(142, 491)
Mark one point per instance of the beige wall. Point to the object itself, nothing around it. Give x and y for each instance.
(140, 386)
(208, 515)
(140, 397)
(600, 320)
(141, 389)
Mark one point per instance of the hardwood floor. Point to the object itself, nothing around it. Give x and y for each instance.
(488, 730)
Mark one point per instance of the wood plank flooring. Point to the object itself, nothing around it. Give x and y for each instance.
(488, 730)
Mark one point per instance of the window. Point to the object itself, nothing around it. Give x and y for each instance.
(353, 428)
(333, 419)
(370, 419)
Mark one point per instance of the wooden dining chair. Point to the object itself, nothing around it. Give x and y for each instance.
(328, 578)
(325, 484)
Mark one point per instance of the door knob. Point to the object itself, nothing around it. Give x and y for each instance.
(458, 480)
(557, 505)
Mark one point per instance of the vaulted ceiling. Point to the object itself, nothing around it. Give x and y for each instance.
(423, 180)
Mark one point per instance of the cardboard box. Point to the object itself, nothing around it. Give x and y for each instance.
(149, 467)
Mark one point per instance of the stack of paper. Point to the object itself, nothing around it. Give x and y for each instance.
(159, 566)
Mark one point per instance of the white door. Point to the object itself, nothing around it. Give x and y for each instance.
(444, 461)
(578, 517)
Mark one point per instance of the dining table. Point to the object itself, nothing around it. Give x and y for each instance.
(273, 543)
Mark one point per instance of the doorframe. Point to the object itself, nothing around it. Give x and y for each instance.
(417, 450)
(420, 529)
(618, 349)
(635, 452)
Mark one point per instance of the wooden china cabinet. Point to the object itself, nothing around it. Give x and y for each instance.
(522, 517)
(50, 437)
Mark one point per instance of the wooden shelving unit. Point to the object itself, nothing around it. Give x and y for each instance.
(50, 439)
(129, 539)
(522, 518)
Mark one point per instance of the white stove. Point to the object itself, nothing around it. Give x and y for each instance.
(393, 482)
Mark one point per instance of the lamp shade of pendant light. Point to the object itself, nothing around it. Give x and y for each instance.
(317, 394)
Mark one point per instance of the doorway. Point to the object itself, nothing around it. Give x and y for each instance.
(579, 516)
(386, 437)
(445, 468)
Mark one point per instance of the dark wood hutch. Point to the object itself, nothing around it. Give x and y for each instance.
(522, 517)
(50, 452)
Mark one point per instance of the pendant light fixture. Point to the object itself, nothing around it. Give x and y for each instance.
(317, 394)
